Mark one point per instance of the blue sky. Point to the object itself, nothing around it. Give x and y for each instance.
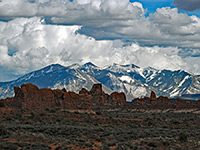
(163, 34)
(152, 5)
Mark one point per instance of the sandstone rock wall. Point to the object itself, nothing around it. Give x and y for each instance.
(30, 96)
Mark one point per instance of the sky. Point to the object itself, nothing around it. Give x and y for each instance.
(164, 34)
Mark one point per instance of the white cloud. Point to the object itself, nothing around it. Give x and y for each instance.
(17, 8)
(113, 19)
(29, 44)
(126, 21)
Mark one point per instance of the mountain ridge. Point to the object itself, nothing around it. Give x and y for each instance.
(130, 79)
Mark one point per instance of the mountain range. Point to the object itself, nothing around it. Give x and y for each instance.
(133, 80)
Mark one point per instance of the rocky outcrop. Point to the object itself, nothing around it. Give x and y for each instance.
(98, 96)
(163, 102)
(153, 98)
(179, 100)
(140, 101)
(84, 91)
(30, 96)
(118, 99)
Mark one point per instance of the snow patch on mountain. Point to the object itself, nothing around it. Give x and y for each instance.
(126, 79)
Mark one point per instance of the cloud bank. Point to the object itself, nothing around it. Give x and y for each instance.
(42, 32)
(113, 19)
(29, 44)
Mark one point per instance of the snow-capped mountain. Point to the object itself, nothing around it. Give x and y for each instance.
(53, 76)
(121, 78)
(130, 79)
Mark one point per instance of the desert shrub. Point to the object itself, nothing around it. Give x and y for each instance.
(60, 147)
(51, 110)
(32, 115)
(3, 130)
(121, 147)
(24, 145)
(175, 122)
(98, 113)
(88, 144)
(37, 146)
(183, 137)
(152, 144)
(18, 115)
(11, 146)
(76, 112)
(58, 119)
(165, 143)
(8, 118)
(2, 104)
(105, 147)
(111, 143)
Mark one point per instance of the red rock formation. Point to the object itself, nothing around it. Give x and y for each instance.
(73, 100)
(27, 95)
(84, 91)
(30, 96)
(140, 101)
(153, 97)
(118, 99)
(99, 98)
(163, 100)
(179, 100)
(148, 100)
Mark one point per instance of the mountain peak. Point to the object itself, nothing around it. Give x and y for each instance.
(52, 68)
(89, 64)
(133, 66)
(74, 66)
(150, 68)
(122, 68)
(56, 65)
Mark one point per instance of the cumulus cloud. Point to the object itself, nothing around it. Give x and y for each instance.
(27, 44)
(165, 27)
(98, 13)
(66, 9)
(188, 5)
(112, 19)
